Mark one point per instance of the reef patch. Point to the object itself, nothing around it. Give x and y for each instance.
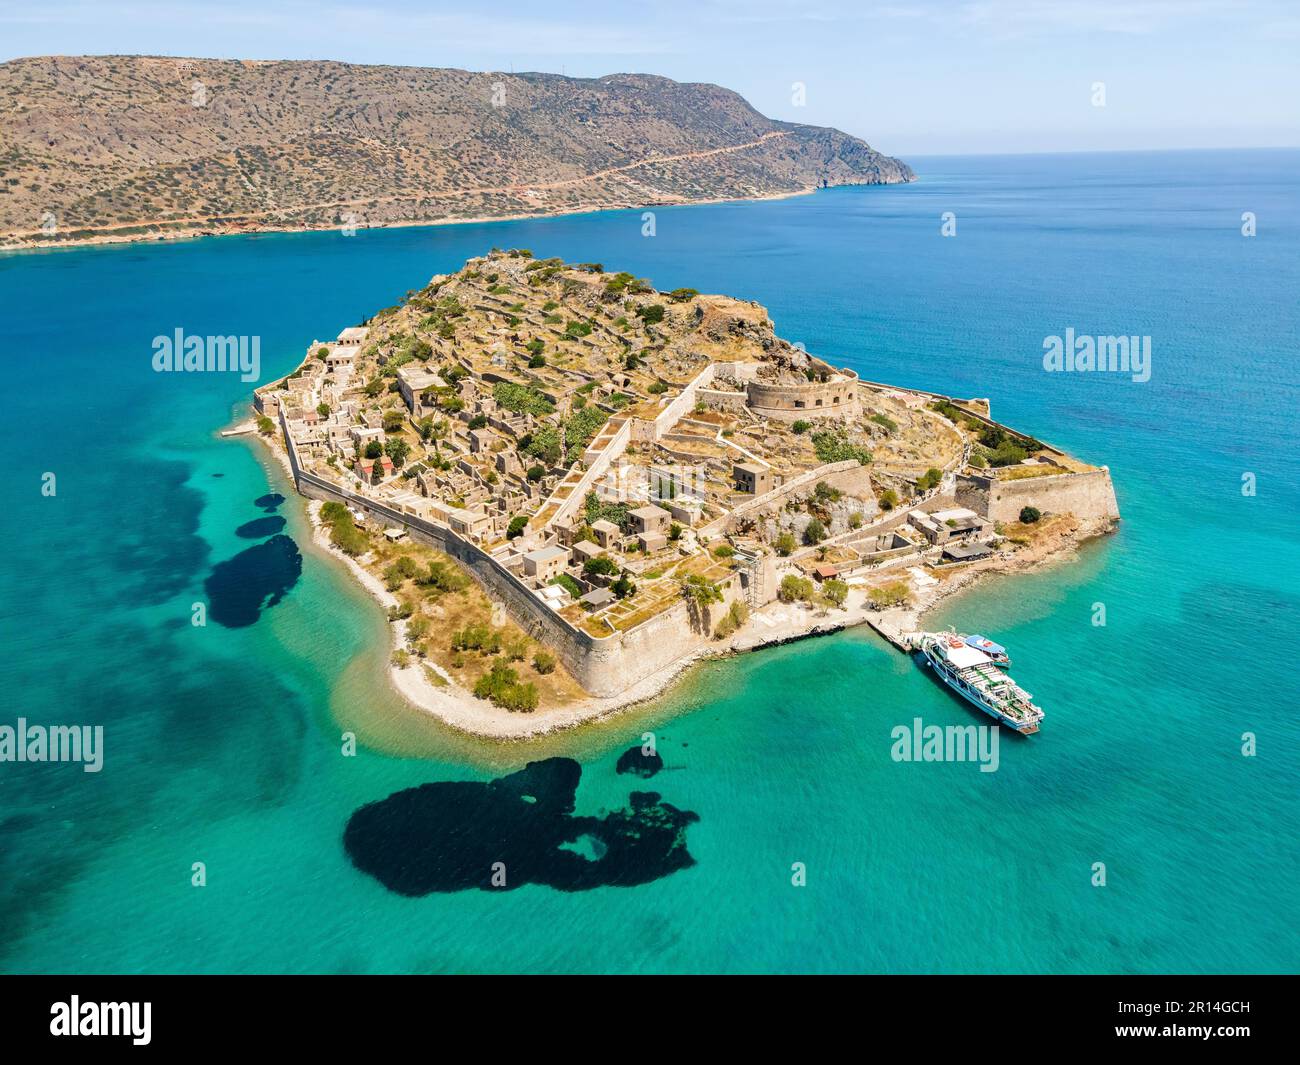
(461, 835)
(256, 579)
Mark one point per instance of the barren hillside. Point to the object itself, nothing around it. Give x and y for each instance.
(127, 146)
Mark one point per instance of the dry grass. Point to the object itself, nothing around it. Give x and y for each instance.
(452, 611)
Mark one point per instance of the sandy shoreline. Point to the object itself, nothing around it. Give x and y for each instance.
(773, 625)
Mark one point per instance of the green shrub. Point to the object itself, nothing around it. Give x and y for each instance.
(832, 445)
(1029, 515)
(521, 399)
(501, 686)
(477, 636)
(563, 580)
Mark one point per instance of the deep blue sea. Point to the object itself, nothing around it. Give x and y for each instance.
(223, 742)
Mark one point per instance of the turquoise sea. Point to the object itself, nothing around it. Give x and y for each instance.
(222, 743)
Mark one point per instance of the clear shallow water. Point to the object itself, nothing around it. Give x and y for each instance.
(222, 744)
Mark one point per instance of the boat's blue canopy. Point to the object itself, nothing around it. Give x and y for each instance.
(983, 643)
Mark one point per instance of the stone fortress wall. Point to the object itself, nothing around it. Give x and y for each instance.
(838, 395)
(604, 666)
(1089, 495)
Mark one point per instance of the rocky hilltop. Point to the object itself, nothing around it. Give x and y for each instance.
(126, 147)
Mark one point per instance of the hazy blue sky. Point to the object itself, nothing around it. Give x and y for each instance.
(927, 77)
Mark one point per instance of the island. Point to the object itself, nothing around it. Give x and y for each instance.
(566, 486)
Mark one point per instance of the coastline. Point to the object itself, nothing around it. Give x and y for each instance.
(203, 231)
(774, 625)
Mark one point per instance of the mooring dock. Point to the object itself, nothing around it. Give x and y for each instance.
(896, 626)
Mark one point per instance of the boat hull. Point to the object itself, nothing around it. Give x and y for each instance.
(941, 674)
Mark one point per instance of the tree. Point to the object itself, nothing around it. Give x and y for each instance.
(895, 593)
(623, 587)
(537, 362)
(374, 449)
(800, 427)
(517, 526)
(701, 592)
(836, 592)
(785, 544)
(888, 501)
(398, 450)
(674, 532)
(478, 421)
(393, 421)
(601, 565)
(536, 473)
(1029, 515)
(814, 532)
(265, 426)
(795, 589)
(323, 409)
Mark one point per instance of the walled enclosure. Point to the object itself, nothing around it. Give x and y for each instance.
(791, 402)
(1087, 495)
(604, 666)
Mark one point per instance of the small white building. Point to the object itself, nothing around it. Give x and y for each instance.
(546, 562)
(413, 382)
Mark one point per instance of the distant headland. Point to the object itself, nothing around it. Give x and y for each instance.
(103, 149)
(566, 486)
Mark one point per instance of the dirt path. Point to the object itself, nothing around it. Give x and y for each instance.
(515, 188)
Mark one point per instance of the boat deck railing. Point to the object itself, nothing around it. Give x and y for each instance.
(1010, 697)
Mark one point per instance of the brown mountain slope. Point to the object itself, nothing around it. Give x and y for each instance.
(129, 146)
